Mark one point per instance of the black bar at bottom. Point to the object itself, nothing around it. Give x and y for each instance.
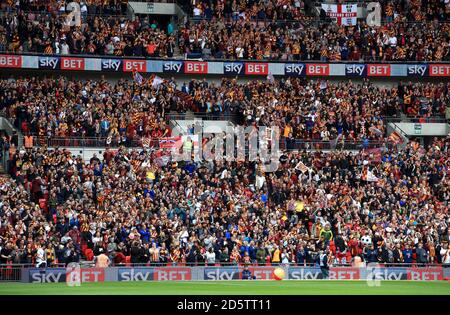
(267, 304)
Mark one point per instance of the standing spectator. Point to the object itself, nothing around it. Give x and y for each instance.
(135, 253)
(260, 254)
(445, 254)
(41, 261)
(102, 260)
(6, 254)
(398, 254)
(421, 254)
(324, 263)
(370, 254)
(224, 257)
(276, 256)
(210, 257)
(407, 255)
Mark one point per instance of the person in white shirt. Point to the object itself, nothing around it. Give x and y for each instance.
(197, 11)
(64, 48)
(210, 257)
(445, 254)
(285, 257)
(240, 52)
(41, 262)
(393, 41)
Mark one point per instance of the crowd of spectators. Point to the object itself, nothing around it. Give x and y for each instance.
(279, 29)
(138, 206)
(126, 112)
(102, 7)
(34, 32)
(318, 109)
(61, 108)
(259, 36)
(412, 11)
(400, 41)
(133, 209)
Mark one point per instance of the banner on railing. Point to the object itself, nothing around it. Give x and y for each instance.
(54, 275)
(170, 142)
(242, 68)
(156, 273)
(234, 272)
(311, 273)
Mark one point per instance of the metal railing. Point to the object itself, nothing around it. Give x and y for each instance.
(226, 264)
(311, 19)
(418, 119)
(153, 143)
(207, 116)
(321, 145)
(13, 272)
(182, 57)
(92, 142)
(10, 273)
(30, 265)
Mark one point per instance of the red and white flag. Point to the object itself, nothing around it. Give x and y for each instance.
(345, 14)
(170, 142)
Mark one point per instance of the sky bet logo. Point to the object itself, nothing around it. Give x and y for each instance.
(417, 70)
(48, 63)
(111, 64)
(173, 67)
(135, 274)
(233, 68)
(10, 61)
(355, 70)
(294, 69)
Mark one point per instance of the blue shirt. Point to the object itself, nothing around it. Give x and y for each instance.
(98, 170)
(190, 168)
(149, 192)
(145, 234)
(170, 29)
(243, 249)
(246, 275)
(407, 255)
(371, 256)
(104, 124)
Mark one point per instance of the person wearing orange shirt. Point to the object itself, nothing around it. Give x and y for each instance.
(28, 141)
(276, 256)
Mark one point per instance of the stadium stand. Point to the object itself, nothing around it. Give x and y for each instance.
(98, 35)
(383, 200)
(295, 9)
(126, 204)
(255, 36)
(61, 108)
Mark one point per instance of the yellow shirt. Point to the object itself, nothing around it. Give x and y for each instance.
(287, 131)
(276, 256)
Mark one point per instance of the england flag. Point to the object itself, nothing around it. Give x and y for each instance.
(345, 14)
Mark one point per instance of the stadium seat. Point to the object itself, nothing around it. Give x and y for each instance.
(89, 254)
